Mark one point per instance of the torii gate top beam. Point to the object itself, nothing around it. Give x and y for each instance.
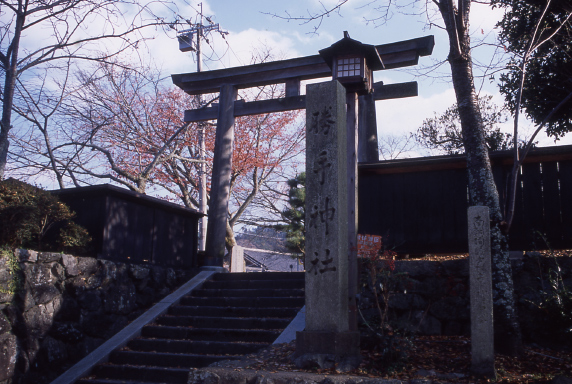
(393, 55)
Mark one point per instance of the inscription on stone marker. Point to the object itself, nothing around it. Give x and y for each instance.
(323, 165)
(322, 120)
(482, 337)
(325, 263)
(322, 215)
(327, 212)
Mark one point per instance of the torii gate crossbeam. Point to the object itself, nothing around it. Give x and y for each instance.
(393, 55)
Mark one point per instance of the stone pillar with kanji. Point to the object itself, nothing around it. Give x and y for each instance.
(327, 341)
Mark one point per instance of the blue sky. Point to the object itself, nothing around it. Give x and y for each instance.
(252, 27)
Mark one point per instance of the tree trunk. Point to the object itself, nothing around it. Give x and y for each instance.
(229, 240)
(10, 63)
(482, 188)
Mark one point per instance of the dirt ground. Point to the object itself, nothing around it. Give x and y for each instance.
(445, 359)
(440, 358)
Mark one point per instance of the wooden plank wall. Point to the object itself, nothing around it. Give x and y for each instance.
(425, 211)
(139, 233)
(415, 212)
(129, 232)
(133, 228)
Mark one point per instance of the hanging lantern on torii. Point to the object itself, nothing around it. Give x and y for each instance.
(352, 64)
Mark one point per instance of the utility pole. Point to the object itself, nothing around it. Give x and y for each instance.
(186, 38)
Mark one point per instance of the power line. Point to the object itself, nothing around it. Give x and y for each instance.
(186, 36)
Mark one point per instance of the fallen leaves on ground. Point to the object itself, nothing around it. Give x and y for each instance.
(455, 256)
(444, 359)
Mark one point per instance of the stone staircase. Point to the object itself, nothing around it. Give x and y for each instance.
(231, 315)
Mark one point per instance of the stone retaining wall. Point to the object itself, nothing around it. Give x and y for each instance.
(70, 305)
(67, 306)
(432, 298)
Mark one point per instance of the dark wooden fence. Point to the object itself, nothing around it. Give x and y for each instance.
(420, 205)
(132, 227)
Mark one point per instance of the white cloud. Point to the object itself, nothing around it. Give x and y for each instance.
(241, 46)
(484, 18)
(322, 39)
(398, 117)
(235, 49)
(404, 116)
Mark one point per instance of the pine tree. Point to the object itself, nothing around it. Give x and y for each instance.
(295, 213)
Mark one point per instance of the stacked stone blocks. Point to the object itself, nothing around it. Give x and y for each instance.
(66, 307)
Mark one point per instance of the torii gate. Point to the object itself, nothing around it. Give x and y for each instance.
(291, 73)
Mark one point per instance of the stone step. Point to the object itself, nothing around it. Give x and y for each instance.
(232, 315)
(165, 360)
(110, 381)
(187, 310)
(254, 284)
(258, 302)
(223, 322)
(193, 347)
(259, 276)
(248, 293)
(142, 373)
(213, 334)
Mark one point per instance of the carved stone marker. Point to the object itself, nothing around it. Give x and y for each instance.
(237, 259)
(326, 341)
(482, 336)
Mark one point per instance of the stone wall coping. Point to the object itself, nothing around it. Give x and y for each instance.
(297, 324)
(101, 354)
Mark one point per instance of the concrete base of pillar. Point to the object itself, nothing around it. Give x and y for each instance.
(204, 260)
(326, 350)
(484, 370)
(209, 261)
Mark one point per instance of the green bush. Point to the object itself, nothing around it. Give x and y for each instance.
(555, 308)
(33, 218)
(15, 283)
(392, 346)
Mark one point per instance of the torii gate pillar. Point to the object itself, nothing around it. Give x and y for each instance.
(220, 181)
(368, 151)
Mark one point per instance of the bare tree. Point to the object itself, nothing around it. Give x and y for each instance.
(32, 150)
(86, 30)
(394, 147)
(274, 142)
(123, 125)
(266, 149)
(444, 133)
(112, 123)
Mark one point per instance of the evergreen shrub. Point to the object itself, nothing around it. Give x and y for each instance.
(35, 219)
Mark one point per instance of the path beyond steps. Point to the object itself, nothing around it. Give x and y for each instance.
(231, 315)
